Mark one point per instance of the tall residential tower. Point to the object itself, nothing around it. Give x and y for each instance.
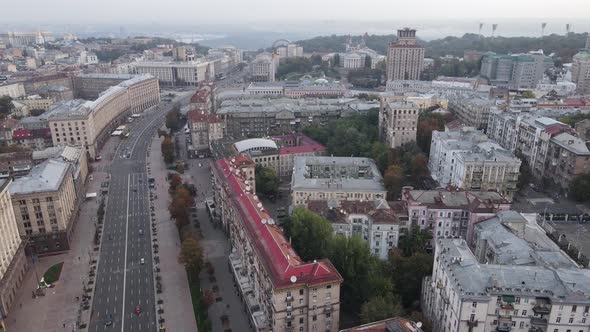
(405, 58)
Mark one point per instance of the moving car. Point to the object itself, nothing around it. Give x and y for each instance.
(138, 309)
(142, 261)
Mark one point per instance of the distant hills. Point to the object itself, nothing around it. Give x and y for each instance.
(563, 46)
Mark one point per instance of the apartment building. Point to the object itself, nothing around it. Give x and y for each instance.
(15, 164)
(76, 156)
(37, 102)
(260, 117)
(567, 157)
(14, 90)
(581, 69)
(515, 71)
(281, 292)
(398, 122)
(264, 67)
(204, 129)
(203, 100)
(44, 204)
(373, 221)
(466, 159)
(449, 213)
(89, 123)
(317, 88)
(471, 110)
(548, 146)
(512, 278)
(13, 264)
(405, 58)
(335, 179)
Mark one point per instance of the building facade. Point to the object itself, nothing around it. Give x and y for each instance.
(516, 71)
(263, 68)
(471, 110)
(405, 58)
(14, 90)
(510, 278)
(335, 179)
(44, 204)
(373, 221)
(13, 265)
(398, 122)
(449, 213)
(177, 73)
(204, 129)
(466, 159)
(281, 292)
(89, 123)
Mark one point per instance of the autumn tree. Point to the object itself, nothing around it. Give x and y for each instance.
(191, 256)
(173, 119)
(168, 149)
(393, 180)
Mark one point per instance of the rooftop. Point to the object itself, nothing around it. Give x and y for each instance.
(480, 201)
(337, 212)
(336, 174)
(478, 281)
(111, 76)
(253, 144)
(44, 177)
(196, 116)
(293, 105)
(395, 324)
(284, 267)
(571, 143)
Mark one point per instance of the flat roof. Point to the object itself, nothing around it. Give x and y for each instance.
(44, 177)
(371, 180)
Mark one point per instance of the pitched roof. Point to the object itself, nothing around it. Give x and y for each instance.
(284, 267)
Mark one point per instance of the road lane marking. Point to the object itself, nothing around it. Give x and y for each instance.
(125, 264)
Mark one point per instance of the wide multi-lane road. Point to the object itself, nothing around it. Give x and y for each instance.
(124, 283)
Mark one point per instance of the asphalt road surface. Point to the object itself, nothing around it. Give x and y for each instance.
(123, 281)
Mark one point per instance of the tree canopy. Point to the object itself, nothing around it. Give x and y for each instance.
(580, 187)
(167, 147)
(267, 181)
(173, 119)
(6, 106)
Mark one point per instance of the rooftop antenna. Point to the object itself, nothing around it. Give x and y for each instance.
(567, 29)
(543, 25)
(480, 27)
(494, 27)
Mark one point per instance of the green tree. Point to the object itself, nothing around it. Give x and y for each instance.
(407, 274)
(336, 60)
(310, 233)
(173, 119)
(528, 94)
(379, 308)
(414, 241)
(368, 61)
(267, 181)
(191, 256)
(580, 188)
(6, 106)
(393, 180)
(168, 149)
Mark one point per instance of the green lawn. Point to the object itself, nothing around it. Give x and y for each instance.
(52, 274)
(203, 322)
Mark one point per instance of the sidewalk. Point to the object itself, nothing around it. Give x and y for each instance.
(59, 307)
(177, 302)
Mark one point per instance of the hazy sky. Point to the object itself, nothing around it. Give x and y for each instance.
(240, 11)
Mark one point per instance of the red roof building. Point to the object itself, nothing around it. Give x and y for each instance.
(264, 262)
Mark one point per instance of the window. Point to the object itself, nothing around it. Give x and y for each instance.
(574, 308)
(521, 325)
(571, 320)
(495, 322)
(301, 292)
(314, 318)
(558, 320)
(474, 304)
(524, 312)
(513, 323)
(472, 318)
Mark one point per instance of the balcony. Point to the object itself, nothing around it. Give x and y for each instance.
(504, 328)
(289, 317)
(472, 323)
(507, 306)
(289, 298)
(538, 321)
(542, 309)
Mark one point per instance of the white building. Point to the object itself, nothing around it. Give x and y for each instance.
(373, 221)
(510, 278)
(466, 159)
(335, 179)
(177, 73)
(263, 68)
(15, 90)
